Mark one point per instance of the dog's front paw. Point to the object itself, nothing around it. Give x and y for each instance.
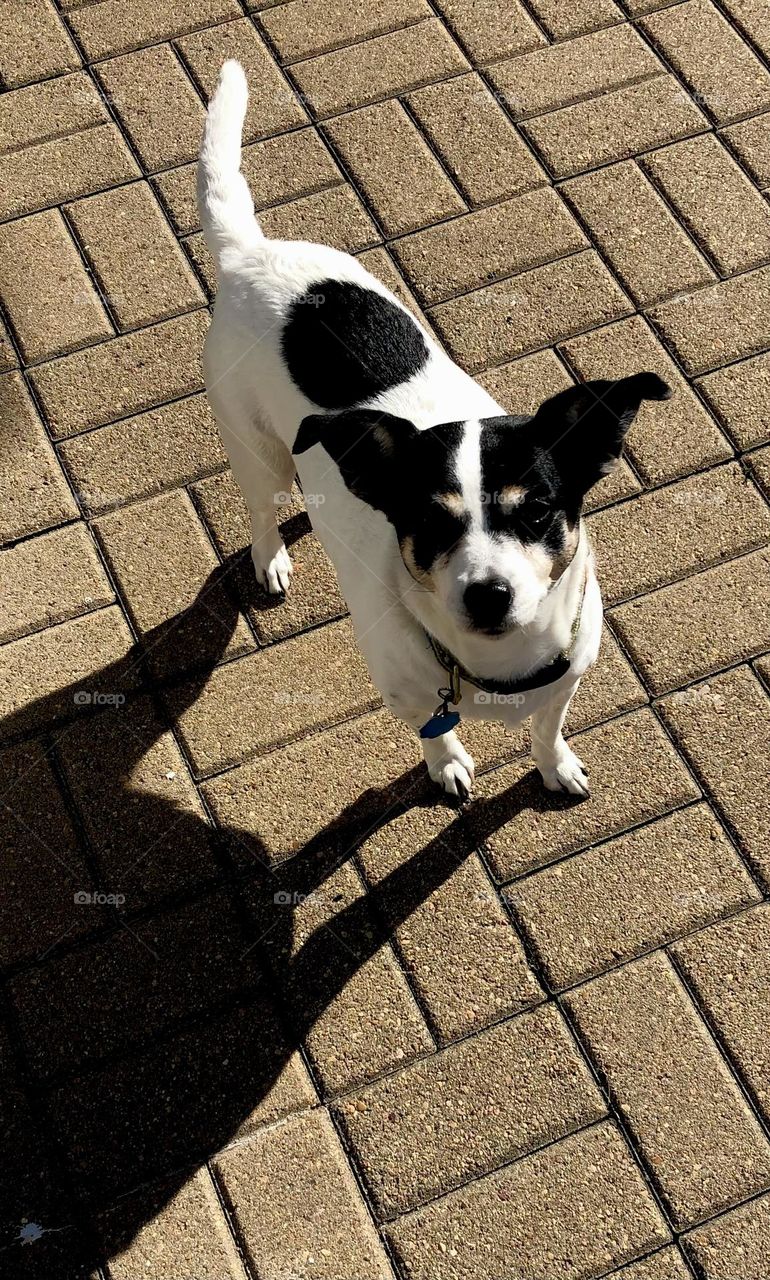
(450, 765)
(567, 773)
(273, 572)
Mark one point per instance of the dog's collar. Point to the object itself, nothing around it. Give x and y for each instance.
(443, 720)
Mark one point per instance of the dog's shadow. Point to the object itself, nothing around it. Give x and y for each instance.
(151, 1036)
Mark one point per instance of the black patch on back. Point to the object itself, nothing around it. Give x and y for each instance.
(344, 344)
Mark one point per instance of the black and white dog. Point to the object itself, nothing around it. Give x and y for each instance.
(455, 528)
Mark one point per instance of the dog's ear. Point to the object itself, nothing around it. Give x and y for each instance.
(367, 446)
(583, 428)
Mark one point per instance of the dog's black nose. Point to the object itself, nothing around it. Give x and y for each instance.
(487, 603)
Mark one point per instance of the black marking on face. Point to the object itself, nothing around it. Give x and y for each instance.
(521, 489)
(344, 344)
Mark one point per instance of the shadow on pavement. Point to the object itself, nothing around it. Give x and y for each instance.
(149, 1035)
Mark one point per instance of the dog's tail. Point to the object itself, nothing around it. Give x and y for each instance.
(224, 200)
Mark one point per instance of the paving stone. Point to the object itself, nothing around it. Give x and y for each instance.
(138, 457)
(35, 44)
(560, 74)
(752, 17)
(115, 993)
(345, 996)
(335, 217)
(45, 677)
(561, 22)
(728, 969)
(740, 397)
(161, 560)
(110, 27)
(676, 530)
(276, 169)
(45, 288)
(667, 1264)
(394, 167)
(378, 68)
(268, 804)
(614, 126)
(481, 247)
(666, 440)
(144, 820)
(738, 1238)
(183, 1232)
(488, 30)
(143, 274)
(458, 947)
(273, 104)
(722, 726)
(637, 7)
(607, 905)
(309, 27)
(122, 377)
(635, 775)
(8, 358)
(296, 1206)
(315, 595)
(34, 493)
(157, 104)
(750, 140)
(170, 1106)
(631, 224)
(49, 110)
(691, 629)
(533, 310)
(691, 1122)
(44, 867)
(718, 66)
(328, 683)
(417, 1134)
(48, 579)
(571, 1210)
(759, 464)
(478, 145)
(62, 169)
(521, 385)
(715, 200)
(200, 256)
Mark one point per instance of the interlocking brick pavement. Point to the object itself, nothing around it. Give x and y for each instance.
(267, 1013)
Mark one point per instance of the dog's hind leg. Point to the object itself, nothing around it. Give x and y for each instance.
(264, 471)
(560, 768)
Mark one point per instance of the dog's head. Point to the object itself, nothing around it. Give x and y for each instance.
(487, 512)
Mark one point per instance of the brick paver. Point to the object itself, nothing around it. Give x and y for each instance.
(269, 1010)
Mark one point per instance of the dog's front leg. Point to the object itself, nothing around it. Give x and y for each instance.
(560, 768)
(447, 761)
(449, 764)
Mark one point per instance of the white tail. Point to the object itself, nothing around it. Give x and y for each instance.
(224, 200)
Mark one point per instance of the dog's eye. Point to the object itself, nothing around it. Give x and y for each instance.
(536, 514)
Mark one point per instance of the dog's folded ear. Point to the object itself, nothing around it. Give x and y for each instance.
(368, 447)
(583, 428)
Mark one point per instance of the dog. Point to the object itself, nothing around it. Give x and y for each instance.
(455, 528)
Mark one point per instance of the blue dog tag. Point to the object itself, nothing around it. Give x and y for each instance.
(442, 722)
